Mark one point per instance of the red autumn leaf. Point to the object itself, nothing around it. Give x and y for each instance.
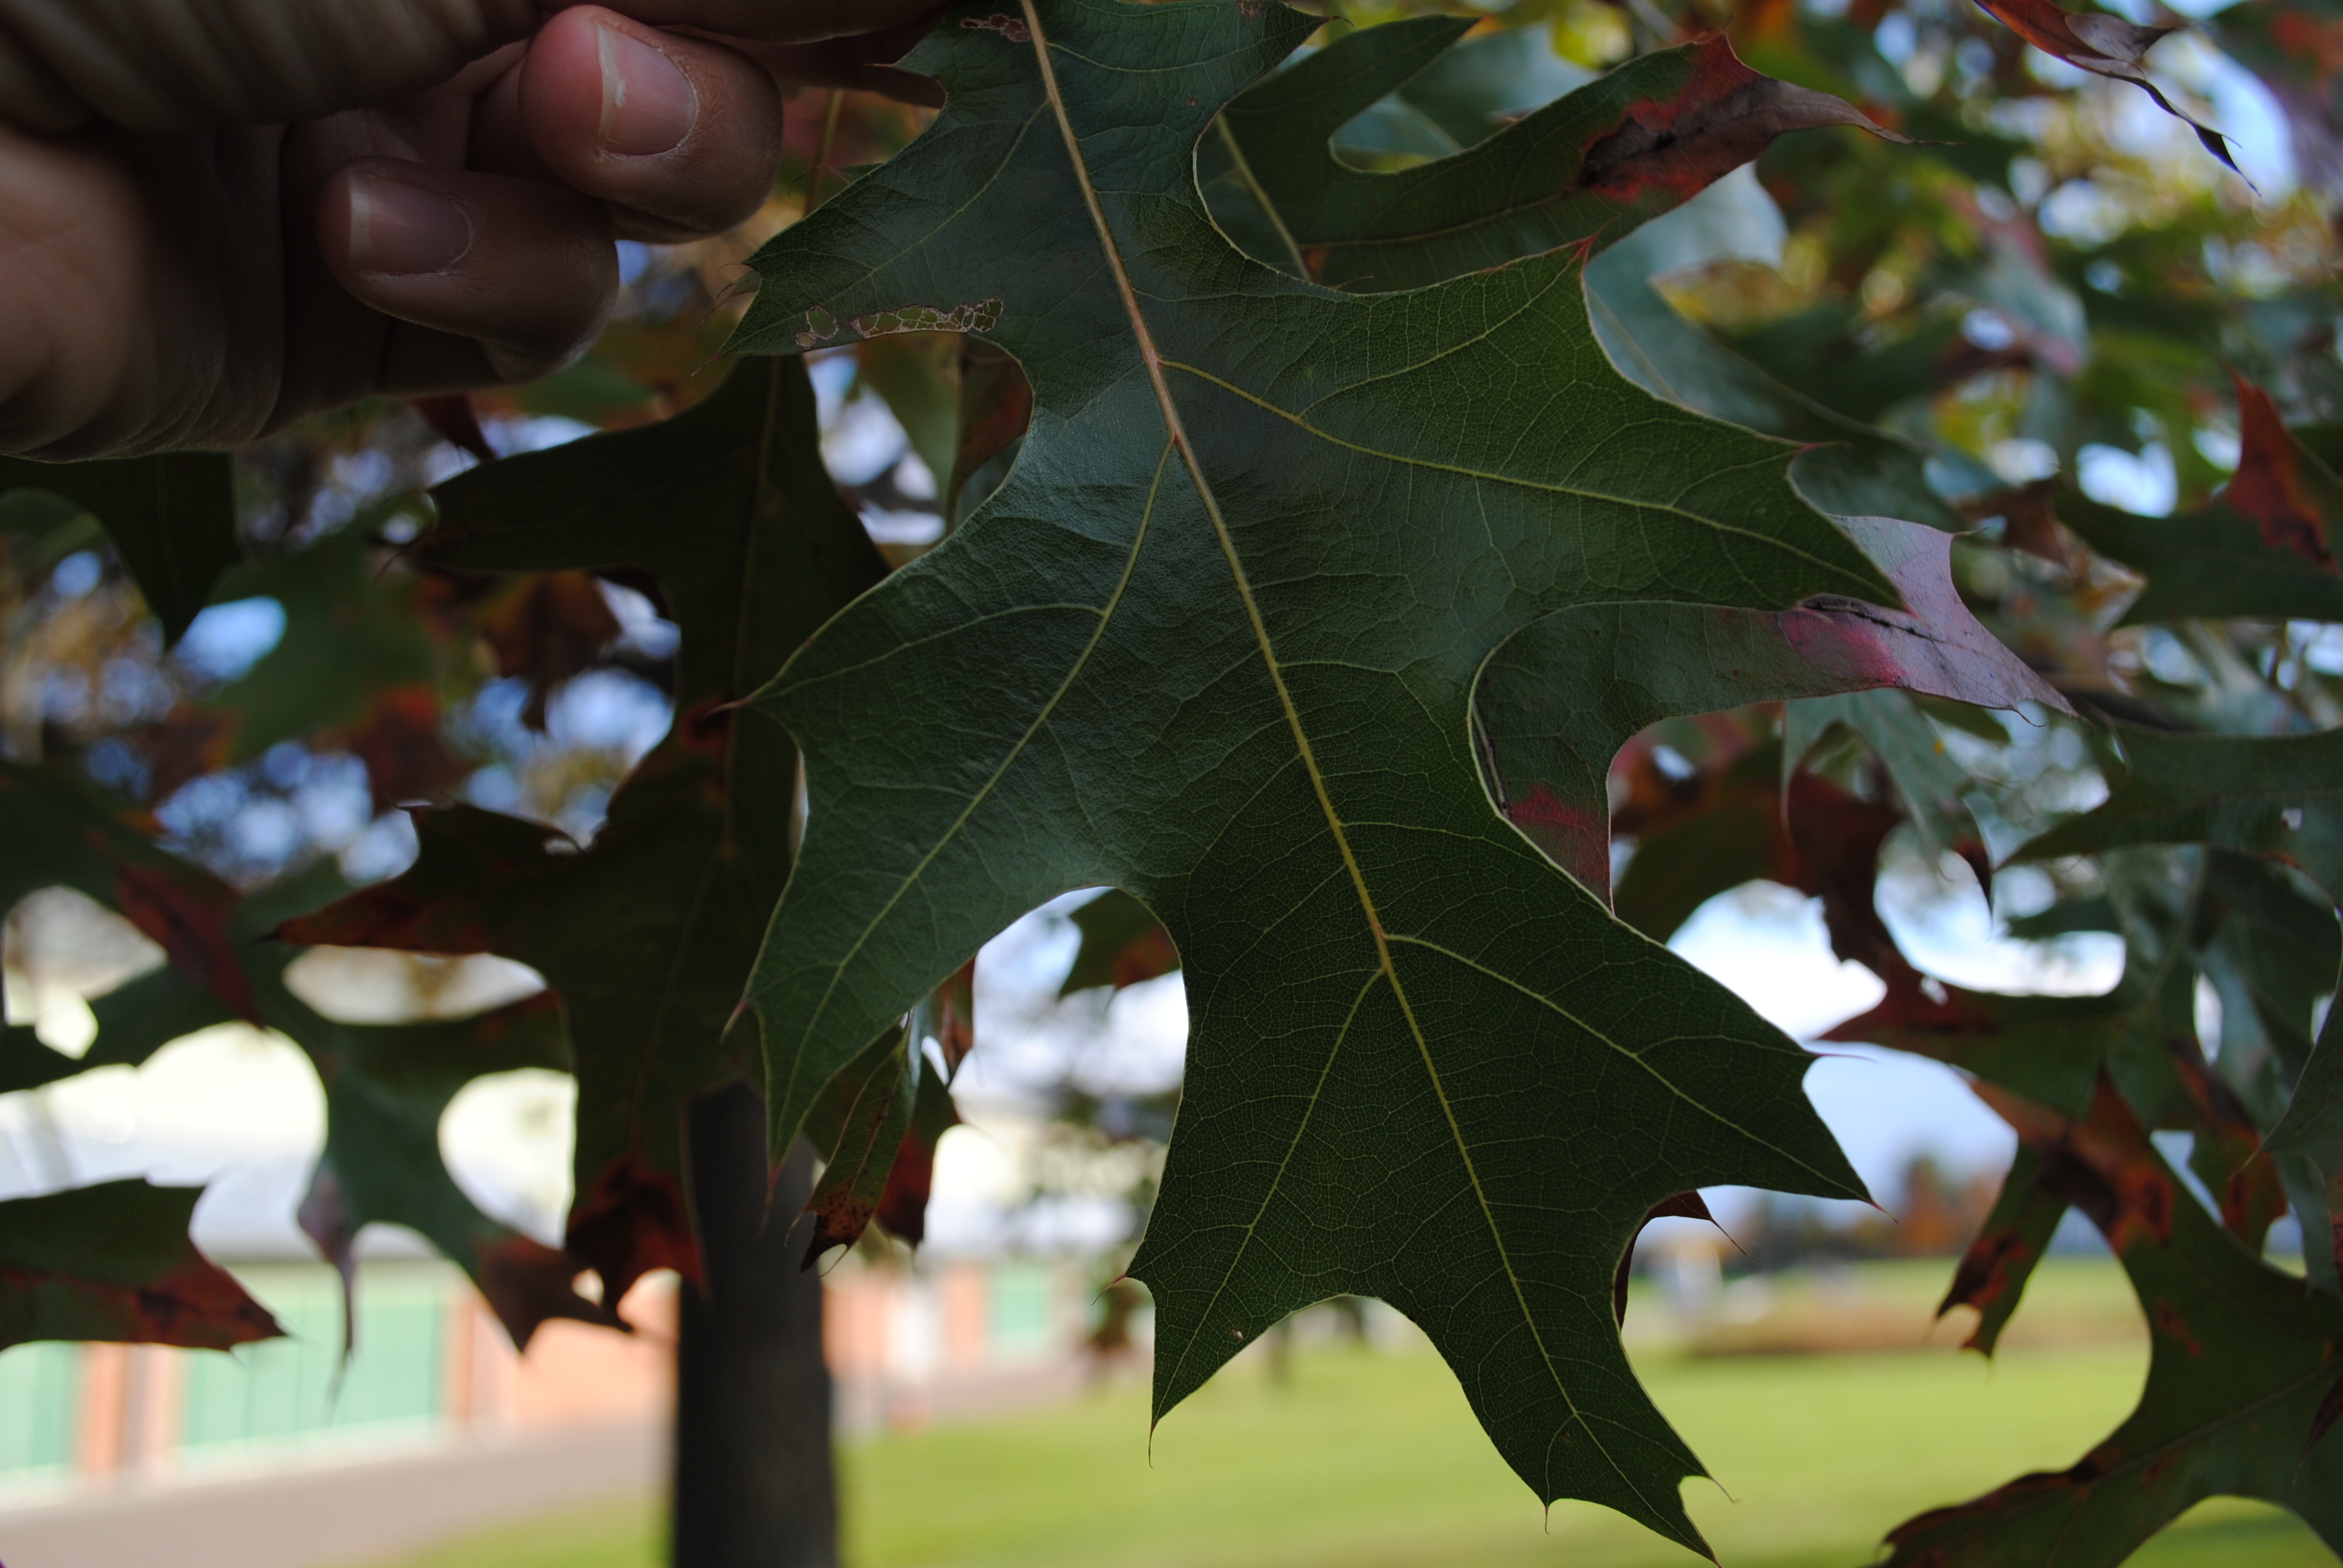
(1682, 1206)
(452, 418)
(2278, 484)
(2101, 44)
(996, 404)
(545, 629)
(185, 910)
(903, 1206)
(399, 741)
(951, 1017)
(1123, 944)
(1582, 171)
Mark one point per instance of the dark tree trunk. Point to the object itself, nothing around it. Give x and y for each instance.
(754, 1486)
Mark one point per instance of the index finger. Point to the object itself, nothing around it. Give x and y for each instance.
(767, 22)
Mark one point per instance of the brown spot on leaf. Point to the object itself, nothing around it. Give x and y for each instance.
(2103, 1165)
(2168, 1321)
(1009, 27)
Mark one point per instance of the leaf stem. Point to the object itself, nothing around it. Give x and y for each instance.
(822, 154)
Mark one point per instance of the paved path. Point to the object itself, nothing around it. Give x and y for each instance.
(320, 1515)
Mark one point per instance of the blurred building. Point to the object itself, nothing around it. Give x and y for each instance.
(432, 1370)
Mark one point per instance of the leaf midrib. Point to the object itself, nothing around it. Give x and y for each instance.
(1154, 363)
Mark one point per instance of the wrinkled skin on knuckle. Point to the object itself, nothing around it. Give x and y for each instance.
(144, 64)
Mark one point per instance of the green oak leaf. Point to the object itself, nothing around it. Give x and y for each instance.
(1214, 643)
(875, 1097)
(1121, 944)
(386, 1084)
(2241, 1357)
(1528, 190)
(1559, 697)
(647, 933)
(1993, 1272)
(2208, 563)
(1907, 745)
(2279, 796)
(1589, 167)
(113, 1261)
(172, 518)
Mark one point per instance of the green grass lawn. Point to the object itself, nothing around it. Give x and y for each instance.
(1371, 1459)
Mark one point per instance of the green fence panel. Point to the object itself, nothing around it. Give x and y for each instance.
(1017, 1309)
(287, 1392)
(40, 1409)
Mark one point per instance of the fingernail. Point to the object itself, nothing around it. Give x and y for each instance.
(398, 227)
(647, 103)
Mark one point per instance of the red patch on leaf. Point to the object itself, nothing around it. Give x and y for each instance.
(2271, 487)
(1987, 1272)
(706, 726)
(186, 913)
(2174, 1327)
(1723, 115)
(1572, 837)
(200, 1307)
(996, 405)
(2308, 41)
(1150, 956)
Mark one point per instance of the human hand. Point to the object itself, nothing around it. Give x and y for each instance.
(217, 215)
